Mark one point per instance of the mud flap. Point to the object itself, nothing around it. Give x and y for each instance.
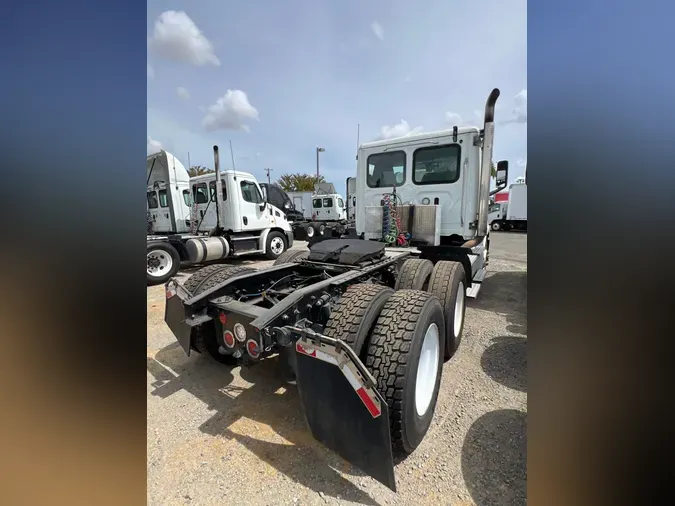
(343, 409)
(174, 315)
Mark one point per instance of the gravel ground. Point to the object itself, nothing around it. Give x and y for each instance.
(217, 434)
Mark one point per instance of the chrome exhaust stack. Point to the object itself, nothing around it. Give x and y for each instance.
(485, 169)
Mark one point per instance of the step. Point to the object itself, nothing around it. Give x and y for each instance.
(476, 283)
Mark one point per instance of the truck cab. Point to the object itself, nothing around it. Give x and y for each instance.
(245, 208)
(168, 195)
(437, 172)
(328, 207)
(276, 196)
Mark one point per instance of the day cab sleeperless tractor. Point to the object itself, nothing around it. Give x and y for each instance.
(364, 328)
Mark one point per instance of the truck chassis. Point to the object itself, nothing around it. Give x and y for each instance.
(363, 330)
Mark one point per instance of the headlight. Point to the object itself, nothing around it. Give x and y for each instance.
(240, 332)
(287, 205)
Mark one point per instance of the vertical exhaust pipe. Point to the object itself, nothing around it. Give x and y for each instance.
(485, 169)
(219, 188)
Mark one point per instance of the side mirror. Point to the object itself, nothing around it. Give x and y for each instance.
(263, 206)
(502, 172)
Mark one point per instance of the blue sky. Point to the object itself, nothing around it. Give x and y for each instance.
(280, 78)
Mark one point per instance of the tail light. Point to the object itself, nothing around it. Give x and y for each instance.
(223, 318)
(228, 338)
(252, 348)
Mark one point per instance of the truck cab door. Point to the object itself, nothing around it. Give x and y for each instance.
(162, 222)
(153, 210)
(251, 201)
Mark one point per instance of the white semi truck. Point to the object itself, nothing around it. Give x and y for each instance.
(206, 219)
(322, 208)
(511, 215)
(363, 328)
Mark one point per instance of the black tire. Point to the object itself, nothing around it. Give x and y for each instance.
(393, 358)
(445, 284)
(291, 256)
(354, 317)
(310, 231)
(203, 338)
(272, 236)
(158, 253)
(322, 229)
(414, 274)
(495, 226)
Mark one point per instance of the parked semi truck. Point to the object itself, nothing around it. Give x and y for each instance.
(206, 218)
(364, 327)
(321, 209)
(512, 214)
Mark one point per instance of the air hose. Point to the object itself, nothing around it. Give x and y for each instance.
(392, 231)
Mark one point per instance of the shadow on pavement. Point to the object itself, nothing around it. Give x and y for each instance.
(269, 401)
(505, 361)
(494, 459)
(505, 293)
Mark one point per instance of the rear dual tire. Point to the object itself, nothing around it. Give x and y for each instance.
(399, 336)
(405, 356)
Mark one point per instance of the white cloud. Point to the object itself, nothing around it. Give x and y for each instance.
(407, 79)
(453, 118)
(183, 93)
(229, 112)
(401, 129)
(176, 37)
(377, 30)
(154, 146)
(151, 72)
(519, 111)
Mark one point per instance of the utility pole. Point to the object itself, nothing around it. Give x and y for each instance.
(268, 174)
(318, 150)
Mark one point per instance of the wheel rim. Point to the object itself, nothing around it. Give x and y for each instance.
(427, 370)
(277, 245)
(495, 226)
(310, 231)
(159, 263)
(459, 309)
(322, 229)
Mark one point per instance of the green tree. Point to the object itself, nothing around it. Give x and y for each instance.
(299, 182)
(199, 170)
(493, 171)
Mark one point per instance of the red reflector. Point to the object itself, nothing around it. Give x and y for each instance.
(299, 348)
(223, 318)
(228, 337)
(252, 348)
(372, 408)
(170, 293)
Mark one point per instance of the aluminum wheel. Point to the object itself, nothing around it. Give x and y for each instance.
(159, 263)
(310, 231)
(459, 308)
(277, 245)
(495, 226)
(427, 370)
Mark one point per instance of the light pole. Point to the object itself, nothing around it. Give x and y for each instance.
(268, 174)
(318, 150)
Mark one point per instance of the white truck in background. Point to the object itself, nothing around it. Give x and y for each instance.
(207, 218)
(511, 215)
(322, 208)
